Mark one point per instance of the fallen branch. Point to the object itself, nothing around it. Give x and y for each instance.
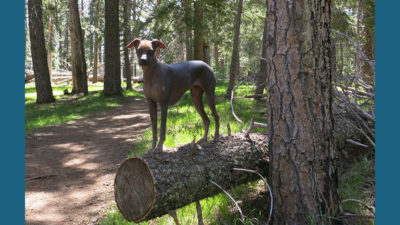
(233, 200)
(267, 187)
(356, 143)
(370, 208)
(233, 109)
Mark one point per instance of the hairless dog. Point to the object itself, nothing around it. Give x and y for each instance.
(165, 84)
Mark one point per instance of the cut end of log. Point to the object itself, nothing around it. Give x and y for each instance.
(134, 189)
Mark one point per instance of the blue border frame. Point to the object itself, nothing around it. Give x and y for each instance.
(12, 111)
(387, 113)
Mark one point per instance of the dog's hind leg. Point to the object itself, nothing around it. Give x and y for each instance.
(210, 96)
(196, 93)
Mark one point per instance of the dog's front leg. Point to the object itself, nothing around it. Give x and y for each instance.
(153, 116)
(164, 111)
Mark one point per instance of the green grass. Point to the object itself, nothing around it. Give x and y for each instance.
(183, 124)
(67, 108)
(352, 185)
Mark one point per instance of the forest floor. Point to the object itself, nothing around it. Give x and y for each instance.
(70, 168)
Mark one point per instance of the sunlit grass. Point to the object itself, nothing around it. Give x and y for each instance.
(67, 107)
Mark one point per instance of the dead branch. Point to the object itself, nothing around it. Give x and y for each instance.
(256, 96)
(359, 51)
(369, 207)
(356, 143)
(174, 216)
(267, 187)
(233, 200)
(233, 109)
(199, 213)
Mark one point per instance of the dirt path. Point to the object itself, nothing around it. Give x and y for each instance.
(69, 168)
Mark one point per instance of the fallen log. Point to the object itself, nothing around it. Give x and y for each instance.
(154, 184)
(138, 79)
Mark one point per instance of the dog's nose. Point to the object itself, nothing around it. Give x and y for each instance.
(143, 60)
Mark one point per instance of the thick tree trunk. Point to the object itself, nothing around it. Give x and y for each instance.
(50, 40)
(96, 42)
(369, 35)
(198, 30)
(79, 76)
(206, 53)
(262, 74)
(112, 75)
(357, 61)
(216, 57)
(299, 81)
(187, 7)
(235, 63)
(154, 184)
(127, 36)
(66, 45)
(38, 50)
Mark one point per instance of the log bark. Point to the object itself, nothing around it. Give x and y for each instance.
(154, 184)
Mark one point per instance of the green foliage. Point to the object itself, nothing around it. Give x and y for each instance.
(67, 108)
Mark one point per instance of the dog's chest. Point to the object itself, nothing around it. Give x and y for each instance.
(154, 90)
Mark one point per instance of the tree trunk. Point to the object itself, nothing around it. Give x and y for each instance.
(79, 76)
(262, 74)
(154, 184)
(50, 40)
(96, 42)
(66, 45)
(127, 36)
(198, 30)
(235, 63)
(112, 75)
(216, 57)
(38, 50)
(187, 7)
(357, 60)
(299, 79)
(206, 53)
(369, 35)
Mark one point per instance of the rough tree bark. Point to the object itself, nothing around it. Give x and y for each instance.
(112, 65)
(50, 39)
(79, 76)
(127, 36)
(96, 42)
(216, 57)
(38, 50)
(188, 19)
(198, 30)
(299, 76)
(262, 74)
(66, 45)
(154, 184)
(235, 63)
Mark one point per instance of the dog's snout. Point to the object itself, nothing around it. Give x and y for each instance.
(143, 60)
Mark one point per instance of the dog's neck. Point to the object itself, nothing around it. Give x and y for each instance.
(149, 70)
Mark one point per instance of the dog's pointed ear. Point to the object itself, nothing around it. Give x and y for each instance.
(135, 43)
(157, 44)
